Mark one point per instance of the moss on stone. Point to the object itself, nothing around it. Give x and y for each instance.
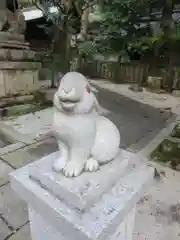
(38, 102)
(41, 100)
(176, 131)
(167, 152)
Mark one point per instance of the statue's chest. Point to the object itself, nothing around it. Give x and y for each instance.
(72, 126)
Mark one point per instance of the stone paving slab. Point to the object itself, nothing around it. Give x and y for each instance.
(12, 209)
(32, 125)
(22, 234)
(158, 211)
(18, 158)
(30, 153)
(156, 100)
(43, 148)
(5, 169)
(134, 120)
(11, 148)
(4, 230)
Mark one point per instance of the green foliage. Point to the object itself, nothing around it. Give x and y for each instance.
(67, 20)
(123, 28)
(67, 17)
(40, 99)
(121, 24)
(86, 50)
(53, 61)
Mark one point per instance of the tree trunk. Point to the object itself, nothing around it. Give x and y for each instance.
(53, 84)
(167, 24)
(84, 24)
(166, 20)
(62, 47)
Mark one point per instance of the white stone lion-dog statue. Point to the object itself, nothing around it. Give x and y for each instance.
(85, 138)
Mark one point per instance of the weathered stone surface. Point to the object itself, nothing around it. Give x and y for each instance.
(9, 132)
(100, 221)
(14, 44)
(18, 158)
(32, 125)
(18, 77)
(2, 88)
(19, 81)
(136, 87)
(4, 65)
(83, 191)
(43, 148)
(4, 172)
(24, 98)
(31, 153)
(176, 93)
(16, 54)
(10, 148)
(41, 228)
(12, 208)
(136, 121)
(154, 83)
(11, 36)
(3, 141)
(4, 230)
(17, 109)
(22, 234)
(2, 144)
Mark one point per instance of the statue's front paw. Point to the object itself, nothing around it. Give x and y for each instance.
(73, 169)
(91, 165)
(59, 165)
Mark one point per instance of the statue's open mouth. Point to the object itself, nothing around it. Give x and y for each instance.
(68, 104)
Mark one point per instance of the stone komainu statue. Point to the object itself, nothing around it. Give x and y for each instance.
(12, 19)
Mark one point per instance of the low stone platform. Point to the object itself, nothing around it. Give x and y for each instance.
(84, 190)
(83, 207)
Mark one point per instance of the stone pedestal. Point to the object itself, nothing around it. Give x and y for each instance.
(18, 68)
(18, 78)
(98, 205)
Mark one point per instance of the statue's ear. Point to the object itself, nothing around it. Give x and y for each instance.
(94, 90)
(91, 89)
(88, 89)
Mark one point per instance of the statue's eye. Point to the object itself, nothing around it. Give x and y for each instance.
(88, 89)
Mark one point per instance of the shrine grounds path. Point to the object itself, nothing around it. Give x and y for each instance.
(138, 123)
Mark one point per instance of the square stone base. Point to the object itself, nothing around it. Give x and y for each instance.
(41, 229)
(18, 78)
(106, 214)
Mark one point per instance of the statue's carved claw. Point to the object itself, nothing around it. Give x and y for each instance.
(73, 169)
(91, 165)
